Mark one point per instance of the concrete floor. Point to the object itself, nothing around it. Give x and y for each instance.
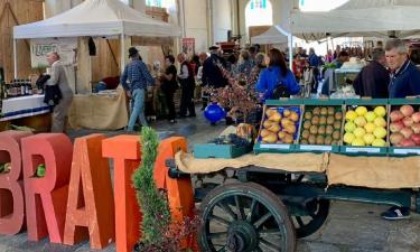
(351, 227)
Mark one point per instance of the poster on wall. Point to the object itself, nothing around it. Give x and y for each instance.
(188, 46)
(65, 47)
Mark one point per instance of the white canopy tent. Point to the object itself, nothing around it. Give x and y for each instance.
(356, 18)
(274, 35)
(96, 18)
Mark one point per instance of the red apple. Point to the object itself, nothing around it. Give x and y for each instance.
(407, 143)
(407, 132)
(416, 128)
(416, 139)
(407, 110)
(407, 121)
(416, 117)
(396, 115)
(396, 138)
(396, 126)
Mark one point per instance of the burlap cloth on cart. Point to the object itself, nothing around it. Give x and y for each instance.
(374, 172)
(301, 162)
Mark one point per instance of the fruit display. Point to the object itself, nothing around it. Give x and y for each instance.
(365, 126)
(321, 125)
(405, 126)
(280, 125)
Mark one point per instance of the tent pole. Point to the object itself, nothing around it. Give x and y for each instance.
(15, 66)
(122, 53)
(290, 51)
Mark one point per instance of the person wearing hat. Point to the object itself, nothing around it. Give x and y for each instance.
(138, 77)
(212, 74)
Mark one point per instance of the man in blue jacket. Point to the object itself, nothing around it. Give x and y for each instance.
(405, 76)
(405, 81)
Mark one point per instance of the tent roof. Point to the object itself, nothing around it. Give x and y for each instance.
(274, 35)
(97, 18)
(372, 18)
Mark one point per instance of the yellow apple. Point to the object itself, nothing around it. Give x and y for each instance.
(349, 126)
(360, 121)
(369, 127)
(348, 138)
(359, 132)
(380, 122)
(379, 132)
(379, 143)
(361, 110)
(380, 111)
(358, 142)
(370, 116)
(350, 115)
(368, 138)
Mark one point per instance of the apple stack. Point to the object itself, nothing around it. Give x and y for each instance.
(365, 127)
(405, 127)
(280, 125)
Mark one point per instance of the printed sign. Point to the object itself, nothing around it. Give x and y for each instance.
(65, 47)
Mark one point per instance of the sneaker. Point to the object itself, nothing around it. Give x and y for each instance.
(396, 213)
(172, 121)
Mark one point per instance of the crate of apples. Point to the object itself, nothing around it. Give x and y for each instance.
(366, 126)
(280, 125)
(405, 126)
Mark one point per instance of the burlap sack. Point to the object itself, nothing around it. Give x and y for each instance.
(374, 172)
(296, 162)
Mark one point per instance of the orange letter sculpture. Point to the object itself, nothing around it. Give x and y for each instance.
(125, 150)
(180, 191)
(12, 205)
(46, 197)
(90, 202)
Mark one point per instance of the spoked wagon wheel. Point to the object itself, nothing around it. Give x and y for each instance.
(245, 217)
(312, 218)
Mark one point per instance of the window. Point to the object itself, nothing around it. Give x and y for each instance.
(155, 3)
(258, 4)
(258, 12)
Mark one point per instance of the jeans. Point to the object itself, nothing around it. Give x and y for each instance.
(137, 108)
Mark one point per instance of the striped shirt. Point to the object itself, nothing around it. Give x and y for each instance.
(137, 74)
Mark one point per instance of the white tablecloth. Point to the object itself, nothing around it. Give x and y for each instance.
(25, 106)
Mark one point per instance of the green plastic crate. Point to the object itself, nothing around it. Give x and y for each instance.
(211, 150)
(402, 151)
(274, 148)
(362, 151)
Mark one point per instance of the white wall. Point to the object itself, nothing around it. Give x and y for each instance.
(222, 19)
(196, 23)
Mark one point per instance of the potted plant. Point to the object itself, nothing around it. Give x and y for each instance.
(158, 232)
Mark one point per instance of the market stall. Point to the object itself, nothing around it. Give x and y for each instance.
(93, 111)
(97, 18)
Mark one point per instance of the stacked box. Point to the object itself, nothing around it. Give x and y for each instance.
(321, 127)
(279, 127)
(366, 127)
(404, 126)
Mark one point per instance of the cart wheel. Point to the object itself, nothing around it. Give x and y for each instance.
(245, 217)
(315, 216)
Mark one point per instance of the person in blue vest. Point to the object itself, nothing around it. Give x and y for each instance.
(404, 81)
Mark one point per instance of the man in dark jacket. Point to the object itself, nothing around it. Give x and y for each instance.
(212, 76)
(405, 77)
(373, 79)
(405, 81)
